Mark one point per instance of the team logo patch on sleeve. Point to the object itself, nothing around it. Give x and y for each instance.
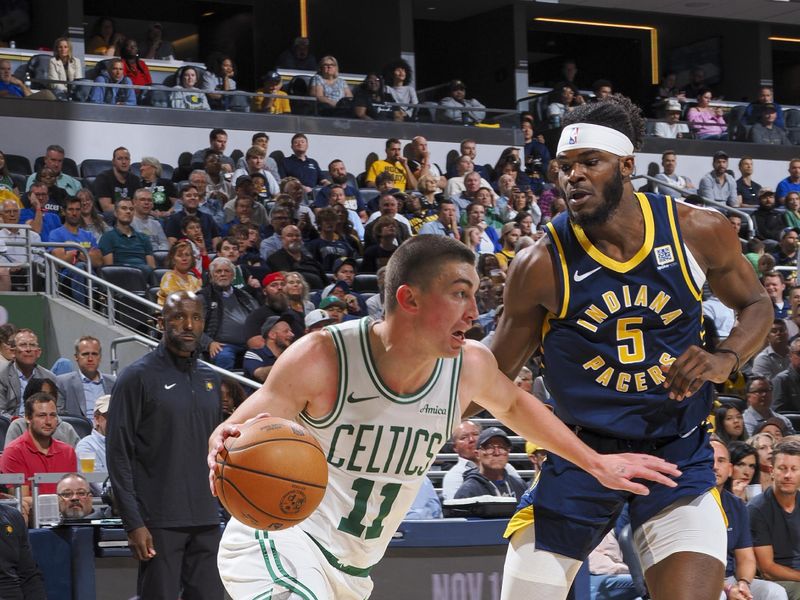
(664, 255)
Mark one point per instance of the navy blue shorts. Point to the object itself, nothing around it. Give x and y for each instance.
(573, 512)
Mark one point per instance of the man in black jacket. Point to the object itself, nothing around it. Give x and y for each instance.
(165, 406)
(226, 310)
(491, 477)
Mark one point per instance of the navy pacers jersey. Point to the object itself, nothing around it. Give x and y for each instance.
(618, 323)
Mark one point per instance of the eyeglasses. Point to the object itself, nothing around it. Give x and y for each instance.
(66, 495)
(27, 346)
(496, 448)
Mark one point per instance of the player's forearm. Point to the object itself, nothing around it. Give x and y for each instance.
(747, 338)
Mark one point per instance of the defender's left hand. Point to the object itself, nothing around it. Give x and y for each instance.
(693, 368)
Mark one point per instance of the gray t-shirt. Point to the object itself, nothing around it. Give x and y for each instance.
(231, 327)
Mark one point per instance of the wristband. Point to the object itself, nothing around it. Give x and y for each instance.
(729, 351)
(745, 580)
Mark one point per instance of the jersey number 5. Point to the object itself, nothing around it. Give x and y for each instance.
(631, 348)
(353, 523)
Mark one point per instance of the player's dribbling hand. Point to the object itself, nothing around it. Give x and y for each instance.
(218, 443)
(141, 543)
(693, 368)
(616, 471)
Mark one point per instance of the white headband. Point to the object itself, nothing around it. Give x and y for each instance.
(587, 135)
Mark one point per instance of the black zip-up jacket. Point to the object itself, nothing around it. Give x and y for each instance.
(215, 311)
(476, 484)
(163, 410)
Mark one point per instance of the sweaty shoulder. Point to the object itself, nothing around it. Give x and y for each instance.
(531, 279)
(306, 374)
(708, 235)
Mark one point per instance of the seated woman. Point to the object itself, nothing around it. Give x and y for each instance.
(398, 77)
(327, 87)
(63, 67)
(104, 38)
(181, 276)
(705, 120)
(566, 100)
(187, 94)
(135, 68)
(744, 461)
(222, 78)
(370, 101)
(729, 424)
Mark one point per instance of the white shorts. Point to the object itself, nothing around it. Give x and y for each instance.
(688, 525)
(281, 565)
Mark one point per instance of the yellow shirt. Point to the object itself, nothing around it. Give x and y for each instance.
(279, 106)
(172, 282)
(396, 169)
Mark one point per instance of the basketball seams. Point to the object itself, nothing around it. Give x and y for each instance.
(261, 510)
(314, 444)
(273, 476)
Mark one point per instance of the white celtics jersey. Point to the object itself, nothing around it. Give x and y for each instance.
(379, 446)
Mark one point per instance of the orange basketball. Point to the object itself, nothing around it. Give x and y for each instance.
(273, 475)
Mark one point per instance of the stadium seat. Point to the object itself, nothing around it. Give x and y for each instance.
(791, 119)
(19, 181)
(127, 278)
(92, 167)
(69, 167)
(368, 194)
(794, 418)
(365, 282)
(184, 167)
(156, 275)
(152, 294)
(81, 425)
(737, 129)
(18, 164)
(236, 155)
(631, 558)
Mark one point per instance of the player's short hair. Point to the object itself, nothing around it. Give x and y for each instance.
(616, 112)
(37, 398)
(418, 260)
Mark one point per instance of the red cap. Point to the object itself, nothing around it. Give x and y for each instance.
(276, 276)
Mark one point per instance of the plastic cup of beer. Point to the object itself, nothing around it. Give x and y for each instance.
(86, 459)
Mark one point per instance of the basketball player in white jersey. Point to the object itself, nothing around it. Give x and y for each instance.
(382, 397)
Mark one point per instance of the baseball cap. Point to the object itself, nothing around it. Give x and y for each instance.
(491, 432)
(720, 154)
(530, 448)
(271, 322)
(457, 84)
(276, 276)
(769, 106)
(331, 301)
(342, 285)
(272, 77)
(765, 192)
(787, 230)
(673, 106)
(101, 404)
(318, 317)
(340, 262)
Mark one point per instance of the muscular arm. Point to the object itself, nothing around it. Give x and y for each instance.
(745, 563)
(529, 295)
(716, 248)
(484, 384)
(772, 570)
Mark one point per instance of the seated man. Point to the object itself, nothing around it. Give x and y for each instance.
(20, 577)
(490, 478)
(36, 451)
(190, 206)
(396, 164)
(766, 131)
(329, 247)
(75, 498)
(276, 303)
(96, 442)
(255, 162)
(293, 257)
(740, 571)
(41, 220)
(11, 87)
(226, 309)
(123, 245)
(775, 521)
(352, 196)
(117, 182)
(112, 94)
(80, 391)
(145, 222)
(277, 334)
(15, 375)
(460, 109)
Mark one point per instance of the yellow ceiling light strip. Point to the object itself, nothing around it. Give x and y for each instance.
(775, 38)
(655, 71)
(303, 18)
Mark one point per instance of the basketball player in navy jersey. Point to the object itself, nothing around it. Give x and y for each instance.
(612, 294)
(382, 397)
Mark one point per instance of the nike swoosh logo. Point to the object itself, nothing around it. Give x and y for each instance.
(353, 399)
(578, 277)
(170, 386)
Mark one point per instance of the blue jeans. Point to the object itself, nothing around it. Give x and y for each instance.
(612, 587)
(228, 356)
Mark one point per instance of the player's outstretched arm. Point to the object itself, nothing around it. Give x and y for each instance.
(305, 377)
(484, 384)
(716, 248)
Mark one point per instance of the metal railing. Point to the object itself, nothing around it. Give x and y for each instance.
(745, 216)
(506, 117)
